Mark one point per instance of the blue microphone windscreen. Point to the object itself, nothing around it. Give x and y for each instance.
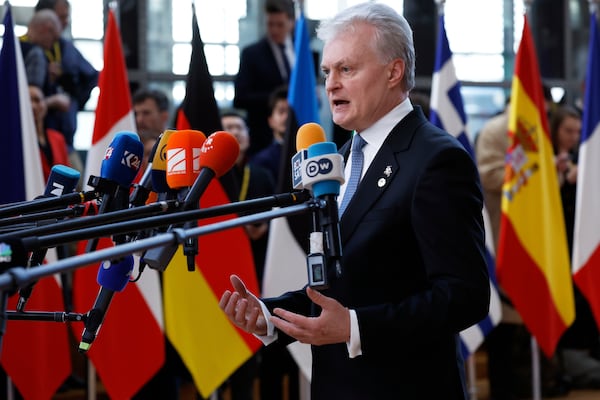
(115, 275)
(122, 159)
(325, 167)
(62, 180)
(132, 135)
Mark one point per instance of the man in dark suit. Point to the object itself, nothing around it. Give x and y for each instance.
(413, 266)
(264, 66)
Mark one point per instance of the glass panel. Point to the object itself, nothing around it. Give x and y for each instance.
(482, 34)
(181, 58)
(224, 92)
(232, 60)
(87, 19)
(480, 104)
(479, 67)
(92, 51)
(215, 58)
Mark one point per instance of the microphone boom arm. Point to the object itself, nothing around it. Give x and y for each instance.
(17, 277)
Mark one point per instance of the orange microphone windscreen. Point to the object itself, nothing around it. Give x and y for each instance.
(183, 157)
(309, 134)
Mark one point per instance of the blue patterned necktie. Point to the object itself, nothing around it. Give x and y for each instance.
(355, 171)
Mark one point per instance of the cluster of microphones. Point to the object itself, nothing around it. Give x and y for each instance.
(157, 215)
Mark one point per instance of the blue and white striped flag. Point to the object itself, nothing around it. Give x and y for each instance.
(447, 112)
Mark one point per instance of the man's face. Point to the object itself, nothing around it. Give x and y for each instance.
(279, 26)
(237, 127)
(149, 120)
(48, 34)
(62, 11)
(360, 88)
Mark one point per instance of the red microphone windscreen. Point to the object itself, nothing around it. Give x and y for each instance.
(309, 134)
(219, 152)
(183, 157)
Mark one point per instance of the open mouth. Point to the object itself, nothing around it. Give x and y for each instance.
(340, 102)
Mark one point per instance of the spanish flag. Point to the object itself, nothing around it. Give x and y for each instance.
(533, 258)
(209, 345)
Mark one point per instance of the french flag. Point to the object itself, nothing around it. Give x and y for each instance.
(586, 237)
(447, 112)
(35, 354)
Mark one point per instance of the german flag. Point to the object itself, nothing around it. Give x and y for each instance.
(129, 348)
(210, 346)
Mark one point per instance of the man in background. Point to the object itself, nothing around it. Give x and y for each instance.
(151, 110)
(265, 65)
(70, 75)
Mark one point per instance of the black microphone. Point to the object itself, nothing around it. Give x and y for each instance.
(62, 180)
(322, 173)
(46, 203)
(141, 190)
(217, 155)
(113, 277)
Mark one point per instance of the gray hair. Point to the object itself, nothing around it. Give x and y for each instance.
(393, 34)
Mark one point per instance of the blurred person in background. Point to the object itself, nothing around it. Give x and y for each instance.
(265, 65)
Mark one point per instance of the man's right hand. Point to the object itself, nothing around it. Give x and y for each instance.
(243, 308)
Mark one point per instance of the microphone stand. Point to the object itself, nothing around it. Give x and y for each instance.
(16, 277)
(49, 203)
(75, 211)
(50, 316)
(167, 206)
(33, 238)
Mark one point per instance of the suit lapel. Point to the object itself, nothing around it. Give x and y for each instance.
(381, 172)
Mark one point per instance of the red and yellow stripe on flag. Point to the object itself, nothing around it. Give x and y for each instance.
(210, 346)
(533, 262)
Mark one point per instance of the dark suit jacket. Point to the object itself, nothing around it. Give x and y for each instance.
(258, 76)
(413, 269)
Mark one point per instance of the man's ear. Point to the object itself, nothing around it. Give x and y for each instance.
(395, 71)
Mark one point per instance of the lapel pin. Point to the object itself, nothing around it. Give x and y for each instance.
(388, 171)
(381, 182)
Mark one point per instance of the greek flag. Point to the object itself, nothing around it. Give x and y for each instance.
(447, 112)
